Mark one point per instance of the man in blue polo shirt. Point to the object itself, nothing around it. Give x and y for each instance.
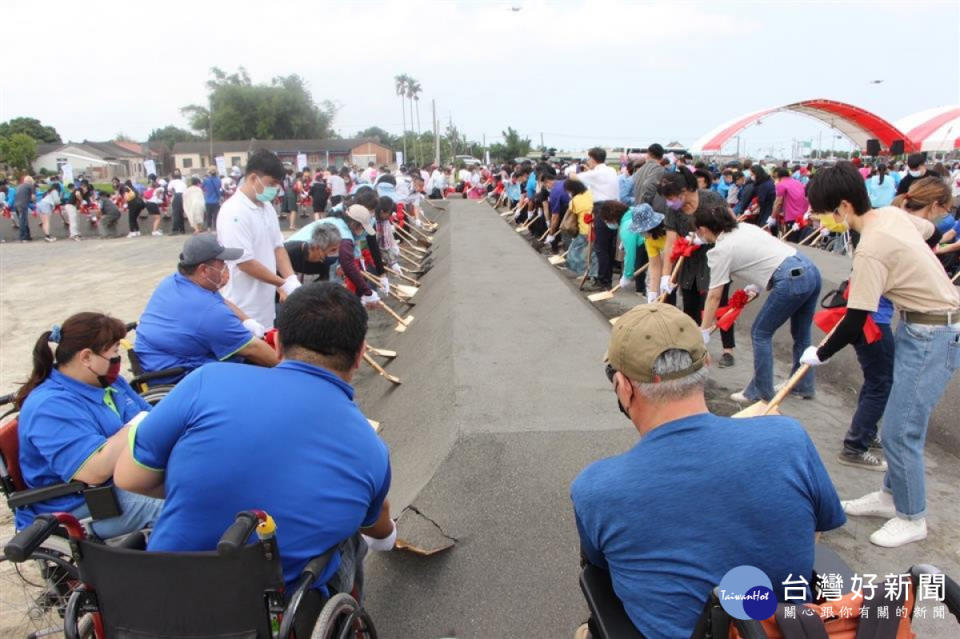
(187, 323)
(288, 440)
(667, 521)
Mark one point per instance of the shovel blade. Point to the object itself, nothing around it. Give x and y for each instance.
(392, 378)
(406, 289)
(408, 320)
(613, 320)
(400, 328)
(599, 297)
(556, 260)
(383, 352)
(375, 425)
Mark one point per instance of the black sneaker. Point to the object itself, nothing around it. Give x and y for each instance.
(726, 361)
(876, 446)
(865, 460)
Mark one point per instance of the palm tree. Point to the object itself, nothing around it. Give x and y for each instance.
(400, 83)
(413, 92)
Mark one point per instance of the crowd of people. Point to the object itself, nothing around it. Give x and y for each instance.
(248, 311)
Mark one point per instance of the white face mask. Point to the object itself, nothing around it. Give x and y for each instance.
(916, 173)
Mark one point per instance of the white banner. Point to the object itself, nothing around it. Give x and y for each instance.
(301, 161)
(67, 170)
(150, 167)
(221, 164)
(399, 157)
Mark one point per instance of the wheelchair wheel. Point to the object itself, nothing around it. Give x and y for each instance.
(154, 394)
(342, 617)
(34, 594)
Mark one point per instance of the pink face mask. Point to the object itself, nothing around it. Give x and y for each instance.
(676, 205)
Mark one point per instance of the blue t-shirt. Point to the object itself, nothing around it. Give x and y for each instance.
(626, 188)
(884, 312)
(229, 440)
(512, 189)
(211, 189)
(532, 185)
(696, 497)
(559, 200)
(185, 325)
(62, 423)
(946, 223)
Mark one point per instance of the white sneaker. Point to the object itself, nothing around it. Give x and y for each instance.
(740, 397)
(49, 238)
(157, 233)
(133, 234)
(897, 532)
(877, 504)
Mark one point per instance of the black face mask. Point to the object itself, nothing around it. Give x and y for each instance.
(610, 372)
(113, 372)
(623, 410)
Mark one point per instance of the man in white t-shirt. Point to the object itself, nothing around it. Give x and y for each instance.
(248, 221)
(178, 187)
(604, 184)
(338, 187)
(369, 174)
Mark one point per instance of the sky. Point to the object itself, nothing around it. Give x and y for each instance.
(581, 73)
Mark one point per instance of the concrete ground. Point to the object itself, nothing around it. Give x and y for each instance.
(504, 401)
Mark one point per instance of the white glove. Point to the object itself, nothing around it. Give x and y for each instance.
(551, 238)
(795, 227)
(694, 239)
(752, 290)
(771, 221)
(824, 231)
(384, 284)
(806, 216)
(810, 356)
(706, 336)
(652, 297)
(665, 285)
(382, 545)
(624, 281)
(371, 299)
(290, 284)
(394, 252)
(254, 327)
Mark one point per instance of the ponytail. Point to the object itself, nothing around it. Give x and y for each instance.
(95, 331)
(42, 366)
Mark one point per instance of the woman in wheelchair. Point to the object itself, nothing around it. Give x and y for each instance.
(75, 416)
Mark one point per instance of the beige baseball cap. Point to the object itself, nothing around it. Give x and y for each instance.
(360, 214)
(642, 334)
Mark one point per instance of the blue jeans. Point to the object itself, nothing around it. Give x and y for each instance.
(577, 254)
(795, 287)
(138, 512)
(876, 361)
(925, 359)
(23, 219)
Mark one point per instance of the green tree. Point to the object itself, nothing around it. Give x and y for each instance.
(18, 151)
(282, 109)
(383, 135)
(513, 146)
(31, 127)
(170, 135)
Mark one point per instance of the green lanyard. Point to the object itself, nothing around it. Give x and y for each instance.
(108, 400)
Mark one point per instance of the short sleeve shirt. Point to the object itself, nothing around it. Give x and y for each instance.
(642, 514)
(893, 260)
(63, 422)
(794, 198)
(228, 441)
(694, 274)
(185, 325)
(559, 199)
(582, 206)
(747, 252)
(254, 228)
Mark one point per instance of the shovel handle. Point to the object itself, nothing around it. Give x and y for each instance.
(586, 270)
(635, 273)
(392, 313)
(673, 277)
(794, 379)
(956, 277)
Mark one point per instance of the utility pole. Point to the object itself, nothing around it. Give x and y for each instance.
(542, 145)
(210, 123)
(436, 135)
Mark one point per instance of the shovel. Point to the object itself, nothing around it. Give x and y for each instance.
(608, 295)
(405, 234)
(374, 424)
(405, 277)
(956, 277)
(663, 296)
(382, 352)
(402, 323)
(763, 408)
(390, 378)
(376, 282)
(414, 231)
(557, 260)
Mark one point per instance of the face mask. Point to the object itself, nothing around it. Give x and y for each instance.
(622, 409)
(218, 283)
(612, 227)
(915, 173)
(113, 371)
(676, 205)
(268, 193)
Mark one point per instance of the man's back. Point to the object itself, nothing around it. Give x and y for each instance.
(695, 498)
(794, 199)
(229, 441)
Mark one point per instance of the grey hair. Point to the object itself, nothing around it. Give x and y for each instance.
(672, 361)
(324, 236)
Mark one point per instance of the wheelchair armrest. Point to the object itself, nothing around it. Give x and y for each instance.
(305, 581)
(133, 541)
(29, 539)
(605, 607)
(951, 588)
(146, 378)
(33, 495)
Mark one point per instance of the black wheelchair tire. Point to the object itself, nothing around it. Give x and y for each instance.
(338, 615)
(154, 394)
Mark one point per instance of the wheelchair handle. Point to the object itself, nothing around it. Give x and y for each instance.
(9, 398)
(130, 326)
(29, 539)
(235, 537)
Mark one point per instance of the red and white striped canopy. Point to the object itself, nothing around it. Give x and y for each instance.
(934, 129)
(857, 124)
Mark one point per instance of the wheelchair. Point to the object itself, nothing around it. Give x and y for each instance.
(141, 380)
(609, 620)
(234, 592)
